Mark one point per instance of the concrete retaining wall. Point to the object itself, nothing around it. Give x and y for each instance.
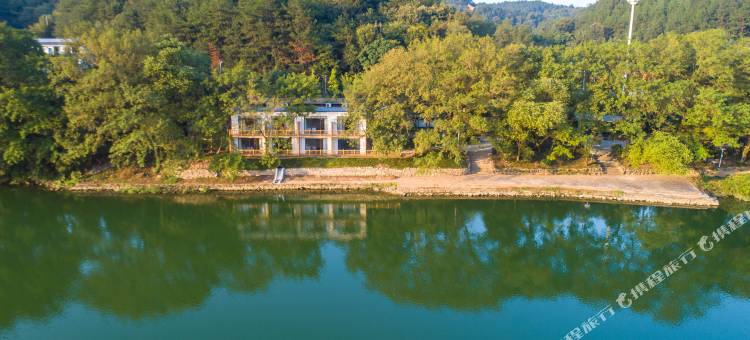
(592, 170)
(332, 172)
(359, 172)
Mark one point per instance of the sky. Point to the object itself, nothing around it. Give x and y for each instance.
(579, 3)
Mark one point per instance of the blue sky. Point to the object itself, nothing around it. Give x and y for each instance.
(579, 3)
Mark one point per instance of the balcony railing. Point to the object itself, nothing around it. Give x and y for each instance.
(314, 132)
(280, 132)
(348, 152)
(251, 152)
(323, 153)
(349, 133)
(245, 132)
(293, 133)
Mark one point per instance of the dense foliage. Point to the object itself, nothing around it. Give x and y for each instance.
(28, 115)
(655, 17)
(22, 13)
(156, 80)
(531, 13)
(737, 186)
(546, 103)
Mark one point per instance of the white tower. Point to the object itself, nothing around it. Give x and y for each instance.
(632, 16)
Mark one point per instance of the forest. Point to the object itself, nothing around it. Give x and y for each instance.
(153, 82)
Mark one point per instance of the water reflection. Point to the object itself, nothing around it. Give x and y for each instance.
(303, 221)
(138, 257)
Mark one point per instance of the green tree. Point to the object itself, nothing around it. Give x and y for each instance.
(663, 151)
(449, 83)
(334, 86)
(28, 109)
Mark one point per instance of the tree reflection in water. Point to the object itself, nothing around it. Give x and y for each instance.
(140, 257)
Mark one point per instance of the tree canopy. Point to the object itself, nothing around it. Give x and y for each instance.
(156, 80)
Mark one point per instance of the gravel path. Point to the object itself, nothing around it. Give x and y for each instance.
(669, 190)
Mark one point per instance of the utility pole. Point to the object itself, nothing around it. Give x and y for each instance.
(632, 17)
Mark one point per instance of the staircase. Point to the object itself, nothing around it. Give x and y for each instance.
(611, 166)
(279, 176)
(480, 159)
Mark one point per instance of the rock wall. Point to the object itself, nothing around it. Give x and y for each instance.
(592, 170)
(359, 172)
(332, 172)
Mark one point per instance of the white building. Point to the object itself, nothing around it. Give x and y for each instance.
(322, 132)
(55, 46)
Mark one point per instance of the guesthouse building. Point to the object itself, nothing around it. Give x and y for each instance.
(321, 132)
(55, 46)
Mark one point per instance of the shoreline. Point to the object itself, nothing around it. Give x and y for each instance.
(659, 190)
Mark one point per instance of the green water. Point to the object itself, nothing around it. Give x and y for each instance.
(330, 267)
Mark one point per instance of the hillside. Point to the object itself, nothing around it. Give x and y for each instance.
(654, 17)
(531, 13)
(22, 13)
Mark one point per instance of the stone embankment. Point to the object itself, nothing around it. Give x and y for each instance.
(641, 189)
(358, 172)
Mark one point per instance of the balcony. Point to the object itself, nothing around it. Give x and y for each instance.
(348, 133)
(315, 152)
(250, 133)
(315, 132)
(245, 133)
(348, 152)
(251, 152)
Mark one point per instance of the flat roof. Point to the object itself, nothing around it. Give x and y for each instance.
(53, 41)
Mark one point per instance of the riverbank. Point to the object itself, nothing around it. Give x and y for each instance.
(638, 189)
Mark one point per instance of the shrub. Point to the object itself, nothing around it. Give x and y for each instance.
(434, 160)
(664, 152)
(227, 165)
(737, 186)
(269, 161)
(170, 170)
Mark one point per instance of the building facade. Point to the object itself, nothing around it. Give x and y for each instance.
(55, 46)
(321, 132)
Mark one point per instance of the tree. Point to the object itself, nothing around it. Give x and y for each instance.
(22, 13)
(663, 151)
(530, 124)
(137, 104)
(449, 83)
(28, 109)
(334, 86)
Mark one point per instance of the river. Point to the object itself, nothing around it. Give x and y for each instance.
(328, 266)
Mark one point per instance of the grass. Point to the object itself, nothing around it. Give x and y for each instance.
(737, 186)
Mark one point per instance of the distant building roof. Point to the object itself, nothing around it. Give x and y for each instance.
(318, 105)
(612, 118)
(54, 41)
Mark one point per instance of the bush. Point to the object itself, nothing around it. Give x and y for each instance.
(269, 161)
(737, 186)
(435, 160)
(170, 170)
(227, 165)
(664, 152)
